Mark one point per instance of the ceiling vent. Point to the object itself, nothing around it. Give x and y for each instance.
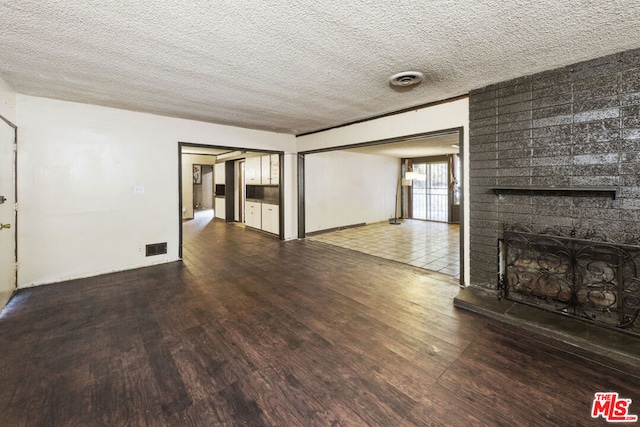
(406, 78)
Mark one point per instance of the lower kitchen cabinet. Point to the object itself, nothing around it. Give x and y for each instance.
(219, 208)
(271, 218)
(253, 214)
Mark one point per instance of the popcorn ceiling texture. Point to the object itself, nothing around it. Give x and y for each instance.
(293, 66)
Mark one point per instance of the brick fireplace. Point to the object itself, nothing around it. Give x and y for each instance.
(580, 276)
(560, 150)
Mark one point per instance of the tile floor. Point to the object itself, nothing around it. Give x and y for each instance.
(429, 245)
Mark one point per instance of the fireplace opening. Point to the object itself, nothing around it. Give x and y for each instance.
(586, 278)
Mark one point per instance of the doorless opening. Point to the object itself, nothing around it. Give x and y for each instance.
(230, 185)
(349, 183)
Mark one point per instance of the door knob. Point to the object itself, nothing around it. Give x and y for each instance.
(5, 226)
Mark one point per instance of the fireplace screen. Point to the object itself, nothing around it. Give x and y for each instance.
(592, 280)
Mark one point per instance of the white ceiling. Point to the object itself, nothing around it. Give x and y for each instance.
(293, 66)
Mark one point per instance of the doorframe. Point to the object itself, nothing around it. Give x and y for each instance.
(228, 149)
(430, 160)
(15, 197)
(242, 189)
(460, 130)
(202, 181)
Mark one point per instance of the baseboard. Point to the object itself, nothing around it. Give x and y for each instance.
(329, 230)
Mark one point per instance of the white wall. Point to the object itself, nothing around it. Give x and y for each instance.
(344, 188)
(7, 102)
(188, 160)
(430, 119)
(443, 116)
(290, 196)
(77, 168)
(79, 164)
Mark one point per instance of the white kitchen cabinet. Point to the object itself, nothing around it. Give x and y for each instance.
(253, 170)
(253, 214)
(271, 218)
(220, 208)
(218, 173)
(270, 169)
(275, 169)
(265, 163)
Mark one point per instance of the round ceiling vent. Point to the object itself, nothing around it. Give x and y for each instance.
(406, 78)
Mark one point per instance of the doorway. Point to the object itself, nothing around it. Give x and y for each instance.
(203, 187)
(8, 216)
(230, 186)
(434, 189)
(329, 188)
(429, 192)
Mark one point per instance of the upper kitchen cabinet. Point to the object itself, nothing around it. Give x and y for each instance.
(270, 169)
(252, 170)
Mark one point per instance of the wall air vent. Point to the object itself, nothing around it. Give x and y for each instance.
(156, 249)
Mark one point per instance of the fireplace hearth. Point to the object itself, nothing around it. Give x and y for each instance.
(585, 276)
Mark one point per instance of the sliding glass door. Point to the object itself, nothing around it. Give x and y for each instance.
(430, 191)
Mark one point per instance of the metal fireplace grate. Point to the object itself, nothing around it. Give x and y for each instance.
(588, 279)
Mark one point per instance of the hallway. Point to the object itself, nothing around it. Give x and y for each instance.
(252, 331)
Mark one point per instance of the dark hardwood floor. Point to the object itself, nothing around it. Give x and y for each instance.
(250, 331)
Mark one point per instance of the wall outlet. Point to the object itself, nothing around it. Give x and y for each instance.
(138, 189)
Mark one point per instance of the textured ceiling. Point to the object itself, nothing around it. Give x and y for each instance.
(293, 66)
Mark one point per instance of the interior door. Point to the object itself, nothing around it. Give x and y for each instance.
(7, 213)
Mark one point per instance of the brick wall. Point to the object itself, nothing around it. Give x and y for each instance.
(575, 126)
